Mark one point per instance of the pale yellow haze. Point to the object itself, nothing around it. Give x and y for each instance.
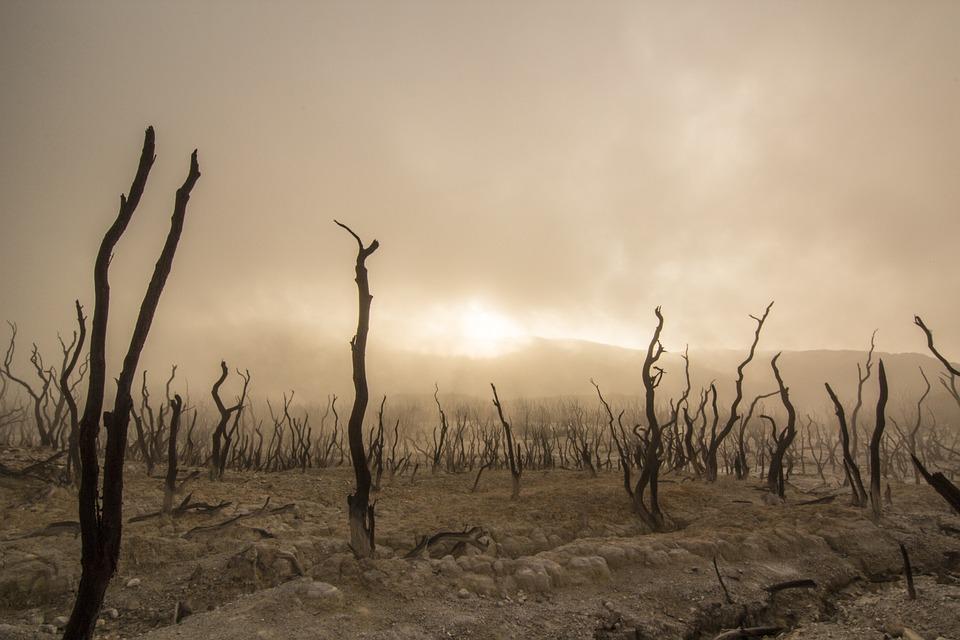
(531, 169)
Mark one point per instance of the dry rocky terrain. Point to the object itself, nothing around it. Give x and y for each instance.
(566, 560)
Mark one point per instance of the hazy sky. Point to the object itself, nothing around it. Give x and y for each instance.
(530, 168)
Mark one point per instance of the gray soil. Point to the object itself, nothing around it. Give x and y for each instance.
(566, 560)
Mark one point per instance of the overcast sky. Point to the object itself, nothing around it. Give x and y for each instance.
(530, 168)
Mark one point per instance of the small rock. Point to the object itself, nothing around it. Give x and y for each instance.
(463, 594)
(608, 605)
(60, 622)
(320, 594)
(111, 613)
(47, 628)
(133, 582)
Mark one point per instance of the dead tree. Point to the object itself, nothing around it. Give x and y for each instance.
(515, 459)
(38, 397)
(170, 482)
(741, 466)
(649, 452)
(850, 467)
(910, 437)
(948, 383)
(218, 457)
(716, 439)
(375, 455)
(73, 456)
(784, 438)
(101, 519)
(362, 519)
(228, 438)
(619, 440)
(875, 501)
(863, 375)
(438, 443)
(489, 455)
(947, 490)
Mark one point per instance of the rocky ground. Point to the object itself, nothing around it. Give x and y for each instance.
(567, 560)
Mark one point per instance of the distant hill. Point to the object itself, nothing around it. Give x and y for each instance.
(547, 368)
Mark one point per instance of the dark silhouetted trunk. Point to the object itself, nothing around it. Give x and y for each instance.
(875, 499)
(361, 514)
(170, 483)
(101, 523)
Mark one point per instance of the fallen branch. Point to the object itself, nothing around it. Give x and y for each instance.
(237, 518)
(53, 529)
(941, 485)
(184, 507)
(749, 632)
(823, 500)
(791, 584)
(468, 536)
(32, 470)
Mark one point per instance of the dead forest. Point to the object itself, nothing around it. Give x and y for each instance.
(304, 500)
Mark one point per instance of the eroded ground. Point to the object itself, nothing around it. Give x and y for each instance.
(568, 560)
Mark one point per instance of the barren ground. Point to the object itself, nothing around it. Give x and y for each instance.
(567, 560)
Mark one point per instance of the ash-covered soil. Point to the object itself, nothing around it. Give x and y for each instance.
(566, 560)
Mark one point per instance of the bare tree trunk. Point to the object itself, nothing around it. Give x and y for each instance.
(861, 380)
(361, 516)
(515, 458)
(784, 439)
(218, 456)
(950, 384)
(101, 523)
(717, 438)
(850, 467)
(170, 484)
(649, 451)
(875, 500)
(73, 451)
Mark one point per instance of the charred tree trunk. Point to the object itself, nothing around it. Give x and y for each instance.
(947, 490)
(73, 450)
(875, 500)
(649, 451)
(948, 383)
(782, 440)
(717, 439)
(170, 482)
(861, 380)
(221, 442)
(850, 467)
(514, 458)
(101, 522)
(361, 516)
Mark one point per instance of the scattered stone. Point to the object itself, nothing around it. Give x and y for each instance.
(463, 594)
(111, 613)
(320, 595)
(133, 583)
(47, 628)
(60, 622)
(608, 605)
